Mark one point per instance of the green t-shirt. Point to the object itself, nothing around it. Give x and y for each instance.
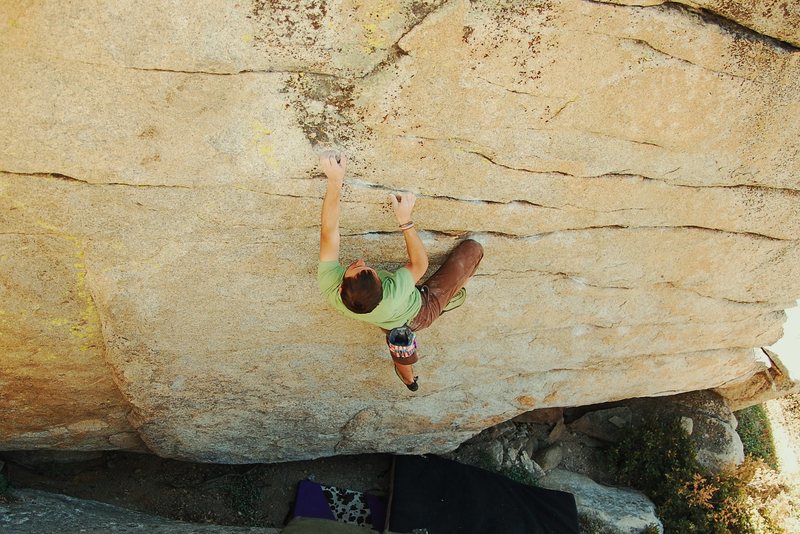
(401, 299)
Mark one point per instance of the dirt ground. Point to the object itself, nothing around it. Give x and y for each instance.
(244, 495)
(784, 416)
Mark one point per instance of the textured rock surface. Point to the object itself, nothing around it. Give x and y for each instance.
(771, 383)
(631, 172)
(618, 509)
(36, 511)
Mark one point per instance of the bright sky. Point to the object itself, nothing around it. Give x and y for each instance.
(788, 347)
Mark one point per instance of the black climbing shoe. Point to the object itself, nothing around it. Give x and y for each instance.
(413, 386)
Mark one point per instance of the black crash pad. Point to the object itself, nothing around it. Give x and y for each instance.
(443, 496)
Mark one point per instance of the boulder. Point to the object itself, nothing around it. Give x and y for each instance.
(708, 420)
(616, 509)
(631, 172)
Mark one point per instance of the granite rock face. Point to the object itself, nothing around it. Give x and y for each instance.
(630, 170)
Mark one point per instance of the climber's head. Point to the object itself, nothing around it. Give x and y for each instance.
(361, 288)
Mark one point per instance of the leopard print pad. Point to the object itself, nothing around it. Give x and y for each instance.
(348, 506)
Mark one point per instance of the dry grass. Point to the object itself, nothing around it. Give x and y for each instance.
(776, 494)
(774, 499)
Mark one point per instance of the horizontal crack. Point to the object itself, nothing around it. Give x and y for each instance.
(682, 288)
(541, 235)
(236, 73)
(368, 185)
(67, 178)
(623, 174)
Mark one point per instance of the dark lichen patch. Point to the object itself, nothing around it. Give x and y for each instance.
(325, 109)
(286, 23)
(468, 30)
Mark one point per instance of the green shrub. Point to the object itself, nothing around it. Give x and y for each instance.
(756, 434)
(660, 459)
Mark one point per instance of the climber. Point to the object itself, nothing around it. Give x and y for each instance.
(389, 300)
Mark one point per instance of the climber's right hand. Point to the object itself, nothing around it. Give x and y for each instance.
(333, 168)
(403, 204)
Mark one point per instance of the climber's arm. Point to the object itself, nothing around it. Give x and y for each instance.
(403, 204)
(329, 230)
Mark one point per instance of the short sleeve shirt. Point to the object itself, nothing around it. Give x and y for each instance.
(401, 300)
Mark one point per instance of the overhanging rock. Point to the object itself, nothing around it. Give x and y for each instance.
(631, 172)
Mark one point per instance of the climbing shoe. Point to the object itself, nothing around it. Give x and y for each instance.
(457, 300)
(413, 386)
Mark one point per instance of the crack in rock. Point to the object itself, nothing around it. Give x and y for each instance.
(368, 185)
(650, 46)
(620, 174)
(234, 73)
(66, 178)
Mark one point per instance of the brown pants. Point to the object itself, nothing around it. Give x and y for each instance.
(437, 290)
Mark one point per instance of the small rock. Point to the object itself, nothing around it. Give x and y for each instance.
(498, 430)
(511, 456)
(550, 458)
(530, 466)
(494, 452)
(599, 424)
(531, 445)
(483, 454)
(618, 421)
(517, 443)
(558, 432)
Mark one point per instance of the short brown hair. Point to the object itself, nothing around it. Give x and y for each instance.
(363, 292)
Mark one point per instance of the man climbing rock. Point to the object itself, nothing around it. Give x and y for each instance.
(390, 301)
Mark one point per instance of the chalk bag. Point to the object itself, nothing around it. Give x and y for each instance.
(402, 344)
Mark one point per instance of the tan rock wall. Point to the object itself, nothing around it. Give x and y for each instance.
(631, 172)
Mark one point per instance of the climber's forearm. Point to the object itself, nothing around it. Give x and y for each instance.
(329, 231)
(417, 255)
(331, 208)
